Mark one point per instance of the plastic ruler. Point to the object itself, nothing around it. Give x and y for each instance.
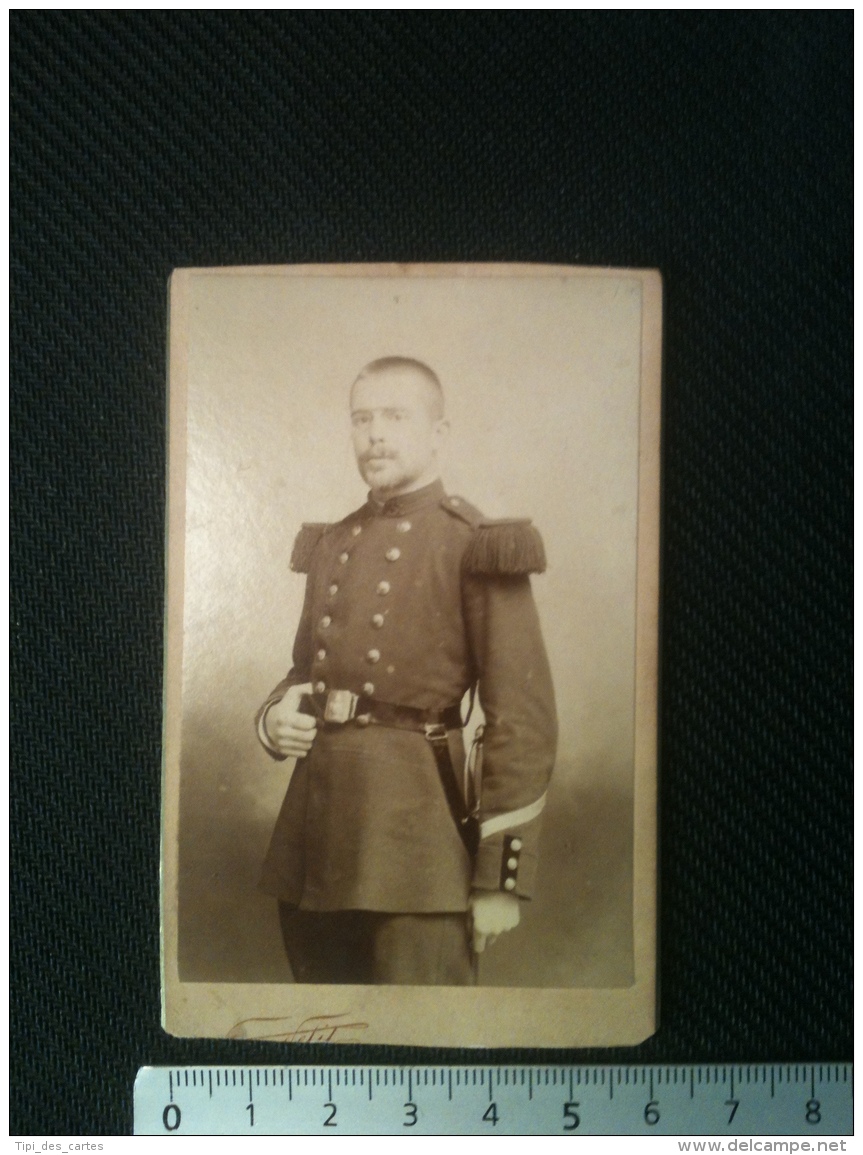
(755, 1099)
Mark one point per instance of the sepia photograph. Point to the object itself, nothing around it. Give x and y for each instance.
(409, 785)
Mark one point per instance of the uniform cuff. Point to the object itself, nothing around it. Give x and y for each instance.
(506, 862)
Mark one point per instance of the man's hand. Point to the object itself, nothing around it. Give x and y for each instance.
(492, 912)
(289, 731)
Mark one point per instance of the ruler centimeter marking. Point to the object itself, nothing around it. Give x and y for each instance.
(739, 1099)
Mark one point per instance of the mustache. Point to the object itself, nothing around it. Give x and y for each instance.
(377, 455)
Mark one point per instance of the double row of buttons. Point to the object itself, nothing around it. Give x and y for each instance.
(373, 656)
(326, 621)
(368, 689)
(382, 589)
(392, 554)
(403, 526)
(320, 687)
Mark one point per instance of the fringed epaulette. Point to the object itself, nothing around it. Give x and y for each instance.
(507, 548)
(305, 542)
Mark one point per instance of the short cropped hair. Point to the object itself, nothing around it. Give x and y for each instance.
(394, 364)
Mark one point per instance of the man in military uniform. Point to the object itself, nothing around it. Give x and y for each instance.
(384, 869)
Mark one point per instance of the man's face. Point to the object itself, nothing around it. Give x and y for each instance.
(396, 435)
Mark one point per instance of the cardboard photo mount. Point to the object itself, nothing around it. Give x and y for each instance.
(552, 375)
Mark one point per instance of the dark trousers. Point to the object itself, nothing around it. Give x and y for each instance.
(358, 946)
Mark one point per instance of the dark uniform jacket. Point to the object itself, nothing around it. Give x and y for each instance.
(413, 603)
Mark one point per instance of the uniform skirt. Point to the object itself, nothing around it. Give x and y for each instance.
(365, 826)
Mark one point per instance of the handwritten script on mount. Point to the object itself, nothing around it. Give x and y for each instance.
(313, 1029)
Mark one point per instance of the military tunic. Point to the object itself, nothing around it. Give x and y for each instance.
(411, 603)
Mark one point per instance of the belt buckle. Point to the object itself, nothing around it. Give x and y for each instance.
(341, 706)
(435, 732)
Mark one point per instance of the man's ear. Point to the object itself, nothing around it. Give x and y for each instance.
(441, 433)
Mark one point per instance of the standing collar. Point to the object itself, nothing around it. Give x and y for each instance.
(409, 502)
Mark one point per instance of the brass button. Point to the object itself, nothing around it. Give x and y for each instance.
(383, 588)
(374, 656)
(356, 530)
(404, 527)
(325, 621)
(393, 554)
(333, 590)
(320, 687)
(320, 655)
(377, 620)
(512, 864)
(363, 719)
(515, 844)
(368, 689)
(343, 556)
(509, 884)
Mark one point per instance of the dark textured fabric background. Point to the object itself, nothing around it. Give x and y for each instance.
(715, 147)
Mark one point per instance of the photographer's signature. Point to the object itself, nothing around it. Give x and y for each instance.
(314, 1029)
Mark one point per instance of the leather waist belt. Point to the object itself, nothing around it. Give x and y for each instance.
(341, 706)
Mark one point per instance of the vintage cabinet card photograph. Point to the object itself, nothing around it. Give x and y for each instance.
(409, 789)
